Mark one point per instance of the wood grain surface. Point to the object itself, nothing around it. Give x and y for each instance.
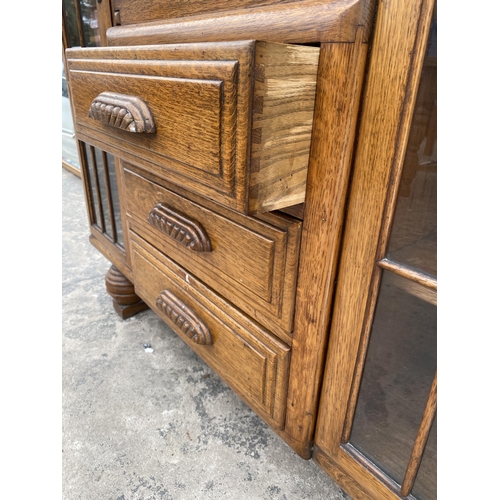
(421, 440)
(387, 112)
(396, 59)
(340, 78)
(252, 262)
(283, 105)
(247, 357)
(200, 97)
(303, 21)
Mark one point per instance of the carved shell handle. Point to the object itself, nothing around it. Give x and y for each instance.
(124, 112)
(180, 227)
(184, 317)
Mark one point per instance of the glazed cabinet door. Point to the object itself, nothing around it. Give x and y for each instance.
(84, 24)
(377, 417)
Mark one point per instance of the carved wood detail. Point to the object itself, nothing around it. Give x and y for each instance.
(181, 228)
(184, 318)
(124, 112)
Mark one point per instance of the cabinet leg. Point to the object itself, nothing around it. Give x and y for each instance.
(125, 301)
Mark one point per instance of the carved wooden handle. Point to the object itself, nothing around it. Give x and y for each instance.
(124, 112)
(180, 227)
(184, 317)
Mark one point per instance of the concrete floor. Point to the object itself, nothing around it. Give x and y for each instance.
(158, 425)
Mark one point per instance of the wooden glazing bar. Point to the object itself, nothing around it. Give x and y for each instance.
(408, 273)
(109, 196)
(122, 208)
(421, 439)
(102, 226)
(79, 22)
(89, 202)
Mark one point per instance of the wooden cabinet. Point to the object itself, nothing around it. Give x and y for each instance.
(256, 152)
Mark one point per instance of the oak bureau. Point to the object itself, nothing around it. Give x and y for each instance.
(241, 163)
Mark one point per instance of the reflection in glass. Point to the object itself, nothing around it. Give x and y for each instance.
(93, 182)
(115, 199)
(398, 373)
(71, 22)
(413, 239)
(81, 23)
(88, 10)
(104, 201)
(69, 147)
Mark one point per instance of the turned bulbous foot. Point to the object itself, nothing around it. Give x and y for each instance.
(121, 290)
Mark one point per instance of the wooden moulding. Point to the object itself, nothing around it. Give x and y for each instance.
(303, 21)
(392, 82)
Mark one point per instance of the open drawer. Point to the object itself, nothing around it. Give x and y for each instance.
(229, 121)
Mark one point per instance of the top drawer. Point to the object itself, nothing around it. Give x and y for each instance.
(230, 121)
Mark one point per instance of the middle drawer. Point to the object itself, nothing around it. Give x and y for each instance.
(251, 262)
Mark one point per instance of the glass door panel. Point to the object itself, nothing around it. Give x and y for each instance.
(414, 235)
(80, 29)
(398, 373)
(394, 417)
(69, 147)
(81, 22)
(104, 202)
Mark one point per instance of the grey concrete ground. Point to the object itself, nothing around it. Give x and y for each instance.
(158, 425)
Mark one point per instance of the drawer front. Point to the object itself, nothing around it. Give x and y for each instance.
(253, 362)
(199, 101)
(248, 261)
(229, 121)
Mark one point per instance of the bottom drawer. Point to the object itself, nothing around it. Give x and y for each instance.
(251, 360)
